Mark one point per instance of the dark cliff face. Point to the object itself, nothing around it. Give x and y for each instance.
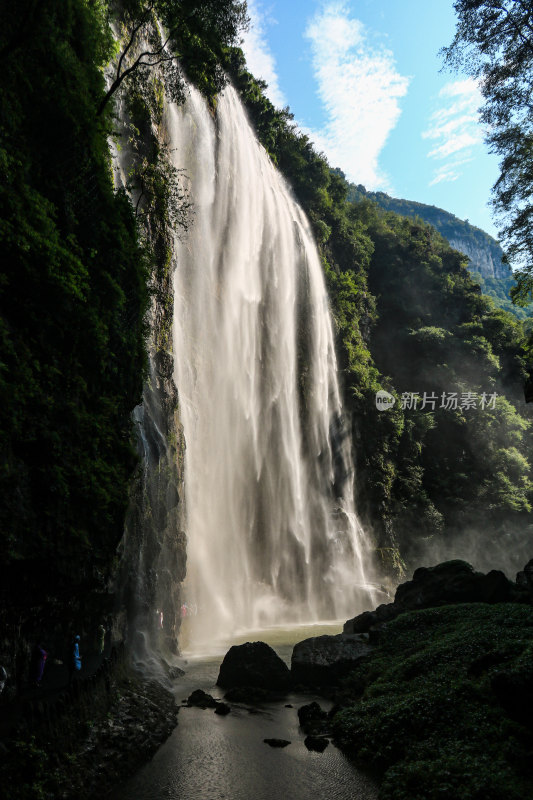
(153, 549)
(152, 552)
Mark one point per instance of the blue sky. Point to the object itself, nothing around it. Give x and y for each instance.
(363, 79)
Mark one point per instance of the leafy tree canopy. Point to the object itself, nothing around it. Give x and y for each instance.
(494, 43)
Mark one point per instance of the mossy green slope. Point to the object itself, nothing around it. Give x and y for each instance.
(423, 712)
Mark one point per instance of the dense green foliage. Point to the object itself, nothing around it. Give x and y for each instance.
(499, 290)
(456, 468)
(200, 30)
(410, 319)
(72, 300)
(474, 242)
(494, 43)
(423, 711)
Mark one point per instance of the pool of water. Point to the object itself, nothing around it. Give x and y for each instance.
(211, 757)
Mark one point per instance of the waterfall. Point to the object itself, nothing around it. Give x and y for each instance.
(272, 535)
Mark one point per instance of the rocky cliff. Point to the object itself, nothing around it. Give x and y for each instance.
(484, 252)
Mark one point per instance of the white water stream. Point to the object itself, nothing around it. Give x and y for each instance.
(273, 537)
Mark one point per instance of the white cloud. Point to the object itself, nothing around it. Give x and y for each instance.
(453, 144)
(259, 58)
(360, 89)
(449, 172)
(454, 129)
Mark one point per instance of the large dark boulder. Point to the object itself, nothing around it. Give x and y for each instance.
(253, 664)
(324, 660)
(524, 583)
(316, 743)
(369, 619)
(446, 583)
(452, 582)
(277, 742)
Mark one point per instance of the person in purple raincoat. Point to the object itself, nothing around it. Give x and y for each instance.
(38, 660)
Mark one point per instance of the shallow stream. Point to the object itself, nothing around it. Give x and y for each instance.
(212, 757)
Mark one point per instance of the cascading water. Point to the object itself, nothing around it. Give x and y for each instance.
(272, 533)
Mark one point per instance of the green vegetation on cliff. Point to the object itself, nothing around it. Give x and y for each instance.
(448, 225)
(72, 298)
(436, 335)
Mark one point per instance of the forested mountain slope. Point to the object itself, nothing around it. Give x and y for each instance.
(485, 254)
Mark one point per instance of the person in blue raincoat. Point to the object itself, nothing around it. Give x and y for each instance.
(75, 659)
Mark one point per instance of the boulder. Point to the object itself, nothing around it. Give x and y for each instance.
(446, 583)
(222, 709)
(312, 718)
(200, 699)
(172, 671)
(524, 582)
(316, 743)
(369, 619)
(494, 587)
(324, 660)
(253, 664)
(452, 582)
(276, 742)
(175, 672)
